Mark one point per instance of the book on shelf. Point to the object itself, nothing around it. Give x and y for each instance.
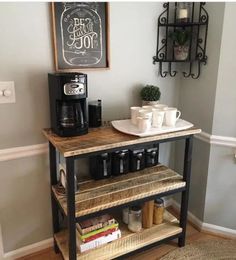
(101, 234)
(89, 225)
(97, 242)
(98, 231)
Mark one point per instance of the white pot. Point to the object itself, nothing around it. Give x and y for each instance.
(181, 52)
(149, 103)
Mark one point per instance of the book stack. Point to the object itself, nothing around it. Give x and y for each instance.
(97, 231)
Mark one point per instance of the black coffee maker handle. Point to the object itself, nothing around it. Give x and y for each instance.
(79, 114)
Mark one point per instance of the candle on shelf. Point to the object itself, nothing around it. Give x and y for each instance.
(183, 12)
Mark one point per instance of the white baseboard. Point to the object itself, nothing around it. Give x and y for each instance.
(193, 219)
(218, 230)
(205, 227)
(1, 245)
(23, 251)
(27, 250)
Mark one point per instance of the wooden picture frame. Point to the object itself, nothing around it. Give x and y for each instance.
(80, 36)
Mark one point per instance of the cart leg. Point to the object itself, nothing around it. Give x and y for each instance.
(53, 179)
(70, 181)
(185, 194)
(158, 151)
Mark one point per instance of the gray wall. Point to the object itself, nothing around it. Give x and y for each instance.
(26, 57)
(197, 101)
(220, 207)
(209, 102)
(25, 214)
(197, 97)
(221, 192)
(224, 119)
(198, 184)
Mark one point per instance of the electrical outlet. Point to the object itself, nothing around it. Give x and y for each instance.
(7, 92)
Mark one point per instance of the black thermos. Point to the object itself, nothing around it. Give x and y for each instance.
(100, 166)
(137, 160)
(151, 157)
(120, 162)
(95, 113)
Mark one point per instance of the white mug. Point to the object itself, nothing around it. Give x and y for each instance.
(144, 124)
(157, 117)
(171, 116)
(149, 108)
(145, 113)
(160, 106)
(134, 114)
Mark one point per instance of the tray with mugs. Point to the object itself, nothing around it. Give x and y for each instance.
(152, 120)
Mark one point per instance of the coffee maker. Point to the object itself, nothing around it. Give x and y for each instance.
(68, 105)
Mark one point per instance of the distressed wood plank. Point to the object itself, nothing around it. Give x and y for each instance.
(103, 194)
(104, 138)
(127, 243)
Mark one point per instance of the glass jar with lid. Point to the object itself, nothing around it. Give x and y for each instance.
(135, 219)
(158, 211)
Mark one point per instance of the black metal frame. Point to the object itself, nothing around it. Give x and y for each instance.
(197, 46)
(71, 219)
(53, 179)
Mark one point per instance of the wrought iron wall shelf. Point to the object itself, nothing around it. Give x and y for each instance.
(196, 26)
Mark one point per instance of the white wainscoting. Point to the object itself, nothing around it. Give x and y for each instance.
(22, 151)
(31, 150)
(217, 139)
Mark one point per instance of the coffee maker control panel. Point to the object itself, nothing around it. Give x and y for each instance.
(74, 89)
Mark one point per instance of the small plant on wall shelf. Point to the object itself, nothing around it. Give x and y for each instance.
(181, 43)
(150, 94)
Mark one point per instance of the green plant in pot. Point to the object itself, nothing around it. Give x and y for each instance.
(150, 95)
(181, 43)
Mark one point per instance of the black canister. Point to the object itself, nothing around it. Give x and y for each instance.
(120, 162)
(151, 157)
(100, 166)
(137, 160)
(95, 113)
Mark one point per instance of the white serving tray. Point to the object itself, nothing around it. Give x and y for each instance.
(125, 126)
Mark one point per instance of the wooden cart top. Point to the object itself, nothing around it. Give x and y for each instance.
(104, 138)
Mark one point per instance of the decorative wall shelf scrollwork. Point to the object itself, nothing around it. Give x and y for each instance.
(197, 26)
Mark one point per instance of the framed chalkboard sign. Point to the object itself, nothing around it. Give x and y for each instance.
(80, 35)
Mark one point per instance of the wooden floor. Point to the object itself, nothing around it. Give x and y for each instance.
(152, 254)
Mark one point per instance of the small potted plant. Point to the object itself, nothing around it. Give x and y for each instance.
(150, 95)
(181, 47)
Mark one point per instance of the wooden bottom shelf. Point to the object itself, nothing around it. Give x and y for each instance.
(127, 243)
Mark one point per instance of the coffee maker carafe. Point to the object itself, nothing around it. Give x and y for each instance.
(68, 106)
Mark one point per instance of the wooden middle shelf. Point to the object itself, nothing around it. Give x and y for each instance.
(94, 196)
(127, 243)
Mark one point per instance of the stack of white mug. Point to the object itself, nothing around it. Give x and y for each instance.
(155, 116)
